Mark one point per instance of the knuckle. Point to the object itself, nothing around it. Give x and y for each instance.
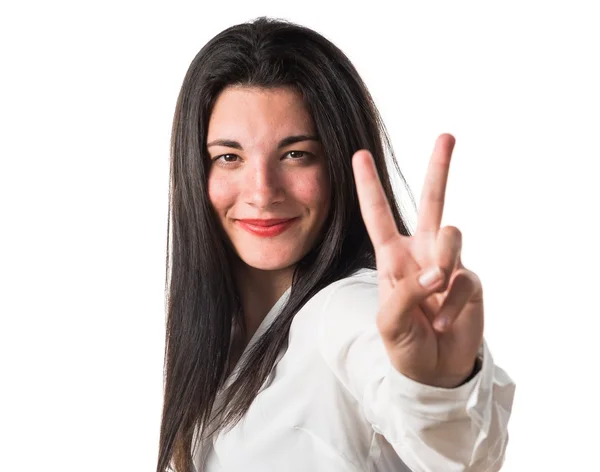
(476, 280)
(452, 232)
(470, 278)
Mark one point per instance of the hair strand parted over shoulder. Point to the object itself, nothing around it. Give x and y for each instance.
(202, 301)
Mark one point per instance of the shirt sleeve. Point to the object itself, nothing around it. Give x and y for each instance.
(430, 428)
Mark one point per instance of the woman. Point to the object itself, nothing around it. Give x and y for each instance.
(307, 329)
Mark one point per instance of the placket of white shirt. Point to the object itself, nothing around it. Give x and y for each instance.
(206, 446)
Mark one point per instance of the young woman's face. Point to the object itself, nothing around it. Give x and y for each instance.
(268, 179)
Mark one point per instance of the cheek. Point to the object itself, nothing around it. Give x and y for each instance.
(312, 189)
(221, 192)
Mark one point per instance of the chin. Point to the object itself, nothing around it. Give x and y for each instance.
(269, 261)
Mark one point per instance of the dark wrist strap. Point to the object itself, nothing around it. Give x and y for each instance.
(474, 372)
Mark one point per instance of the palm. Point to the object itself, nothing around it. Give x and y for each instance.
(416, 345)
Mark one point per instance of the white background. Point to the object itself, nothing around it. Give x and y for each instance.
(87, 96)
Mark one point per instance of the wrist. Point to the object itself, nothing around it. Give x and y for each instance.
(459, 380)
(476, 368)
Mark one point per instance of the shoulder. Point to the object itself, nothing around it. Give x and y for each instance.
(339, 319)
(364, 278)
(346, 333)
(356, 293)
(343, 307)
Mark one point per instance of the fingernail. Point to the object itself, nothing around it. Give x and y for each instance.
(441, 323)
(431, 277)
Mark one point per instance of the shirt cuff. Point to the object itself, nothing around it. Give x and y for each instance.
(432, 402)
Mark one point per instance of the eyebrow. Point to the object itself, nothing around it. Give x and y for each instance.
(283, 143)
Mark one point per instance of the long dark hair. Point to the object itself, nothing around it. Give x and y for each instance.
(202, 299)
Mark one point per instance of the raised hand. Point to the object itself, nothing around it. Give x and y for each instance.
(431, 307)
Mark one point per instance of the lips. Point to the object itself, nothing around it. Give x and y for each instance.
(266, 227)
(266, 223)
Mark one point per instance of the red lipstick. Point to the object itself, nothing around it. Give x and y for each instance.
(267, 228)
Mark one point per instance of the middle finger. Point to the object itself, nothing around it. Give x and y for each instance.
(431, 206)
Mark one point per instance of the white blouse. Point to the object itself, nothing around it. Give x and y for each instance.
(334, 403)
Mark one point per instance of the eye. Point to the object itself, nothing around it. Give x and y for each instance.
(298, 155)
(226, 158)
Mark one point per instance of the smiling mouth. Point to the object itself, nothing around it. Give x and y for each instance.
(266, 228)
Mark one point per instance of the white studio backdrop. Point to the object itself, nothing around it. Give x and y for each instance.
(87, 95)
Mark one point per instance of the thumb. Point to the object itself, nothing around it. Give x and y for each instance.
(396, 318)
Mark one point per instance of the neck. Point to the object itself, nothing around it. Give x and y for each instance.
(259, 291)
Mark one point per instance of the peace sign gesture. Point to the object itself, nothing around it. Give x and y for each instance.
(431, 326)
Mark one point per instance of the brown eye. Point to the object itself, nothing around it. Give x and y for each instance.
(226, 158)
(298, 155)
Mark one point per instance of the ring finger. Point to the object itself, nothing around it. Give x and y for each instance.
(465, 288)
(448, 249)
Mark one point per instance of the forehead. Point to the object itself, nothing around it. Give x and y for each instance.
(254, 115)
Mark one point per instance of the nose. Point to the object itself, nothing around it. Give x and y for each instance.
(263, 185)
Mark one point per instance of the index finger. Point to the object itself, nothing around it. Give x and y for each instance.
(431, 206)
(374, 206)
